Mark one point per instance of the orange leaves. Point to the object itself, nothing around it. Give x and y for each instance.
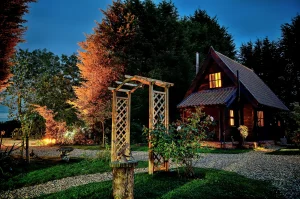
(54, 129)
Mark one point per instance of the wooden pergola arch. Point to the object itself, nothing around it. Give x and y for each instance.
(121, 109)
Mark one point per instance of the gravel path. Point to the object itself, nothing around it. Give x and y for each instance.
(59, 185)
(282, 171)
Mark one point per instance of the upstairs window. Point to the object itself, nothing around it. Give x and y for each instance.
(231, 117)
(215, 80)
(260, 118)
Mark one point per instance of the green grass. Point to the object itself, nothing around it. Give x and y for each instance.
(133, 147)
(42, 172)
(222, 151)
(210, 184)
(285, 151)
(88, 147)
(136, 147)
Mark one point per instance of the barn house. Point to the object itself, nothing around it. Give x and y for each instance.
(234, 95)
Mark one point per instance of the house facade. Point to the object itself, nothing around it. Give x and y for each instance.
(234, 95)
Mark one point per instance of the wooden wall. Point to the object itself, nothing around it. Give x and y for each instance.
(248, 113)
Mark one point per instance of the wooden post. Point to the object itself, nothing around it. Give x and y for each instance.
(166, 163)
(151, 115)
(128, 124)
(113, 128)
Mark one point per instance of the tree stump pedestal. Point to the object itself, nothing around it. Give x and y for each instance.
(123, 179)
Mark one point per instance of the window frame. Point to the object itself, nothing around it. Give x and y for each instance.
(215, 80)
(260, 118)
(231, 117)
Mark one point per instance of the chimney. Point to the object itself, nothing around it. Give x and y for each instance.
(197, 63)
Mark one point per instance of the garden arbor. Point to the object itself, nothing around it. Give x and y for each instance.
(121, 109)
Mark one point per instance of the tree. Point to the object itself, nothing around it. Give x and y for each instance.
(34, 73)
(204, 31)
(11, 32)
(264, 57)
(290, 45)
(54, 129)
(99, 66)
(277, 63)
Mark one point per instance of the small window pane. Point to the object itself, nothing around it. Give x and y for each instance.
(260, 118)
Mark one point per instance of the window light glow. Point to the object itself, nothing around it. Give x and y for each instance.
(215, 80)
(231, 117)
(260, 118)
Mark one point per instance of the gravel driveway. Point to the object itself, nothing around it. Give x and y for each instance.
(282, 171)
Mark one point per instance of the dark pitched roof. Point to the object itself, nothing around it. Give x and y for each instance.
(258, 89)
(224, 96)
(251, 83)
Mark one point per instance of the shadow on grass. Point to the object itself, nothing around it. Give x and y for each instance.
(222, 151)
(286, 151)
(214, 184)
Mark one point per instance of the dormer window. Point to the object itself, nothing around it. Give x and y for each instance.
(215, 80)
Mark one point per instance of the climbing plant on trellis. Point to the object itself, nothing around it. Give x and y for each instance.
(121, 107)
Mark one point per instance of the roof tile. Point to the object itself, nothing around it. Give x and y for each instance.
(223, 96)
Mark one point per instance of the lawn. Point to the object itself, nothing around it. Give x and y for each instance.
(144, 147)
(133, 147)
(222, 151)
(210, 183)
(44, 171)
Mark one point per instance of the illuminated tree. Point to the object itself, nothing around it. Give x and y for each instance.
(99, 65)
(54, 129)
(11, 32)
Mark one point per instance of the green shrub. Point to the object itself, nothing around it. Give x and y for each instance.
(181, 141)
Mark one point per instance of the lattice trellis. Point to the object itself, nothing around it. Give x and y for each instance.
(158, 112)
(159, 100)
(121, 126)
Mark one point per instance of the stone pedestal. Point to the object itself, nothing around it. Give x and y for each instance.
(123, 179)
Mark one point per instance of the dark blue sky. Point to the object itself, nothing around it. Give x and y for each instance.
(58, 25)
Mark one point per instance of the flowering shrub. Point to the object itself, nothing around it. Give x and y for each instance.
(243, 131)
(181, 141)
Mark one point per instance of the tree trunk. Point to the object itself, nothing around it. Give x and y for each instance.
(27, 149)
(103, 134)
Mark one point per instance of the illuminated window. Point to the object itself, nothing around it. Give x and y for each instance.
(260, 118)
(231, 117)
(215, 80)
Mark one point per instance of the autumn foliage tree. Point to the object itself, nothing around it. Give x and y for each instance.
(54, 129)
(11, 32)
(99, 66)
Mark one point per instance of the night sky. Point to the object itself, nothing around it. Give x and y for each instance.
(58, 25)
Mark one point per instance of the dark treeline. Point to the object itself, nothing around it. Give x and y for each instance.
(278, 64)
